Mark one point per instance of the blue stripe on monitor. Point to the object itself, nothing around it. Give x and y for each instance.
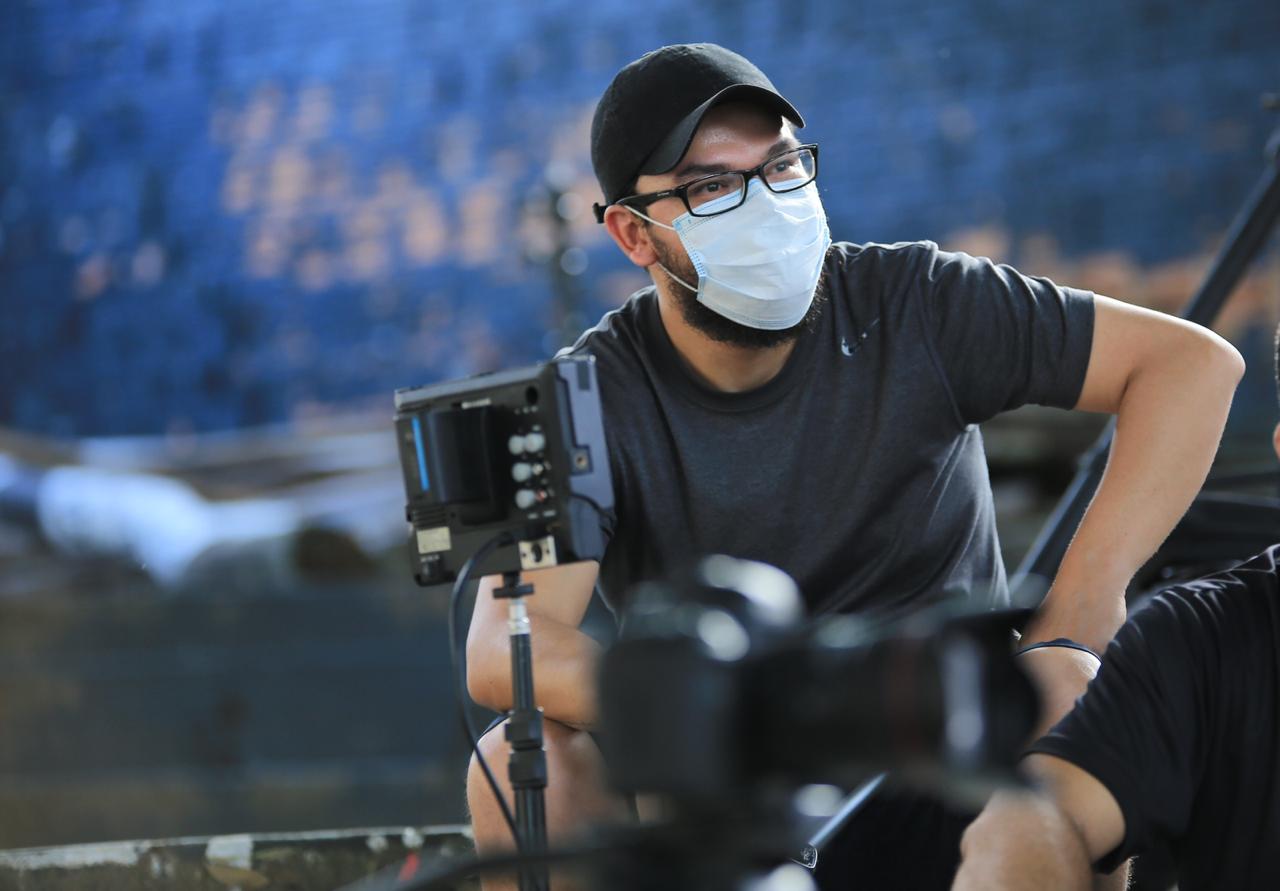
(422, 458)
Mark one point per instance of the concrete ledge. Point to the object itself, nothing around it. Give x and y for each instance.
(302, 861)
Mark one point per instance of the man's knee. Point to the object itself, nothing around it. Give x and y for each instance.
(575, 780)
(493, 747)
(568, 753)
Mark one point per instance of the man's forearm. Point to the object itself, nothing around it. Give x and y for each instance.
(564, 672)
(1168, 426)
(1022, 842)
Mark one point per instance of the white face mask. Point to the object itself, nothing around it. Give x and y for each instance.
(759, 264)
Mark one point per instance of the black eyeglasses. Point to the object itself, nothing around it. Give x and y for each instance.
(784, 172)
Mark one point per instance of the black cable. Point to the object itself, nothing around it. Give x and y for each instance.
(591, 502)
(459, 673)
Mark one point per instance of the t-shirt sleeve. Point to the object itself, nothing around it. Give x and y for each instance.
(1002, 339)
(1139, 728)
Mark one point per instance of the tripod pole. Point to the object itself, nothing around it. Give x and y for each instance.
(527, 767)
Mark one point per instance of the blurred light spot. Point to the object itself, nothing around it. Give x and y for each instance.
(315, 271)
(425, 235)
(483, 210)
(366, 222)
(332, 178)
(260, 117)
(368, 260)
(268, 252)
(93, 276)
(791, 877)
(574, 261)
(73, 235)
(62, 139)
(239, 190)
(536, 235)
(957, 124)
(818, 800)
(982, 241)
(290, 171)
(315, 113)
(569, 205)
(148, 264)
(585, 229)
(723, 635)
(395, 183)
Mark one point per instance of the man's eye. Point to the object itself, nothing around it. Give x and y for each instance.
(714, 188)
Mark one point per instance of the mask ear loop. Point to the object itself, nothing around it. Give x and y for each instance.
(649, 218)
(677, 279)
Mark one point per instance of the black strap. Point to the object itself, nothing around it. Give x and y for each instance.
(1059, 642)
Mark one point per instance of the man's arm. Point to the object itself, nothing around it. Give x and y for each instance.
(564, 658)
(1044, 839)
(1169, 383)
(1022, 842)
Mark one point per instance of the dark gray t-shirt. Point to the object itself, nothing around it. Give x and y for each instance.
(859, 468)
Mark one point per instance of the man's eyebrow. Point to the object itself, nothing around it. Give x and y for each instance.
(786, 142)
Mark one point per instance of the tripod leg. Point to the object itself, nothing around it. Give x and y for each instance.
(527, 767)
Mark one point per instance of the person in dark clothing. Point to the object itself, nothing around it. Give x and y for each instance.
(779, 397)
(1175, 746)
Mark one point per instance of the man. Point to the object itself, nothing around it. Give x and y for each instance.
(1175, 746)
(813, 405)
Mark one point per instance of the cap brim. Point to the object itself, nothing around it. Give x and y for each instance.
(669, 152)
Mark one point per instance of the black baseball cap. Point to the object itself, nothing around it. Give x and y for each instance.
(647, 116)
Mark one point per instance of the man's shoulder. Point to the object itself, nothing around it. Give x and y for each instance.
(871, 270)
(1237, 601)
(873, 252)
(1259, 575)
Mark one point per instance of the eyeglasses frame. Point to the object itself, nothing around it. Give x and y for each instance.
(682, 191)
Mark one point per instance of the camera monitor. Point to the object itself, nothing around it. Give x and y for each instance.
(521, 452)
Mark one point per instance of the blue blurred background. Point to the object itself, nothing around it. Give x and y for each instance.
(220, 214)
(229, 229)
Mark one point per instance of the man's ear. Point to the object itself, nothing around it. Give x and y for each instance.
(628, 231)
(1275, 440)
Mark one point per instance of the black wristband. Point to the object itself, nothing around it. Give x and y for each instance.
(1059, 642)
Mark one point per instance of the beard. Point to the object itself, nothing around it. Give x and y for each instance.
(708, 322)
